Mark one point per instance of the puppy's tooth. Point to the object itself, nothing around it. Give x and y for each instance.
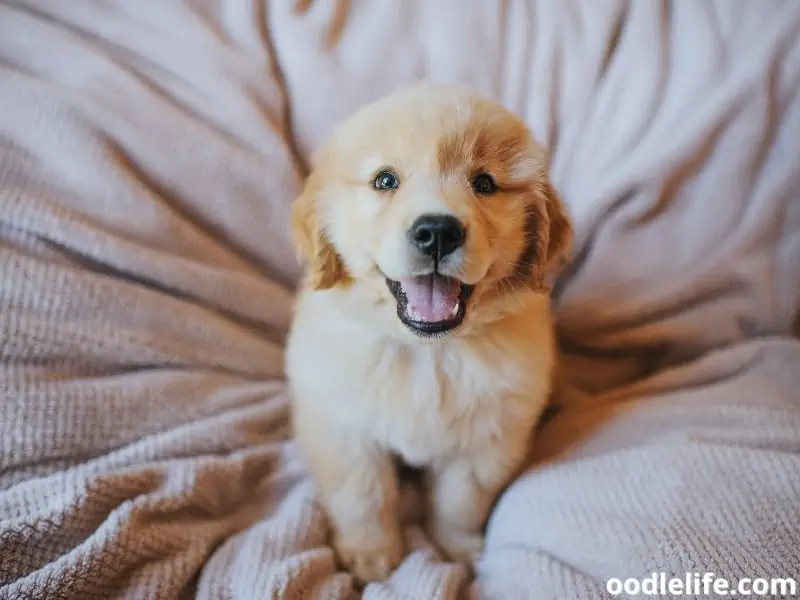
(454, 312)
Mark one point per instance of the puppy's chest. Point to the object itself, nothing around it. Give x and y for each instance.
(428, 402)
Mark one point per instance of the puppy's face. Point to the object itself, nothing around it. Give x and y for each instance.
(433, 209)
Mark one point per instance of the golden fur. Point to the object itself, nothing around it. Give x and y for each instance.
(365, 388)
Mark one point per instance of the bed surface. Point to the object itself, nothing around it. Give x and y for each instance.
(149, 153)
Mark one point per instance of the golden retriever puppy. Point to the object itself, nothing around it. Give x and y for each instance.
(422, 329)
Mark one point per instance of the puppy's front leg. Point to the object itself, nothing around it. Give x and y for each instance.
(462, 490)
(357, 487)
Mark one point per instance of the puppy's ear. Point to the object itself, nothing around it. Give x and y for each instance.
(549, 233)
(559, 238)
(325, 267)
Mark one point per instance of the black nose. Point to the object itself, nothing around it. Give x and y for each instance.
(437, 235)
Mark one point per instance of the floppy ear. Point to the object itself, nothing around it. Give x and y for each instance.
(559, 239)
(325, 267)
(549, 233)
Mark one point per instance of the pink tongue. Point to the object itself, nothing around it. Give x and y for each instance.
(431, 298)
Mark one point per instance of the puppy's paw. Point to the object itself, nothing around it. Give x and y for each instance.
(370, 557)
(458, 544)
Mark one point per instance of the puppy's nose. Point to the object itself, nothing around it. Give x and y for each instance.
(437, 235)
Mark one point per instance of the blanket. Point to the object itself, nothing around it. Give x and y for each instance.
(149, 152)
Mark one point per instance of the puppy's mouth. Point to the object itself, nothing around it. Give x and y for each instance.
(430, 305)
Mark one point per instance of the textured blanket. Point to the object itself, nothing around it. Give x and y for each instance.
(149, 152)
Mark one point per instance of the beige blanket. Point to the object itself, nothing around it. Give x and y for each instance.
(148, 154)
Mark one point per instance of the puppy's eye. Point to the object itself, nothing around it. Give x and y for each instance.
(386, 180)
(484, 185)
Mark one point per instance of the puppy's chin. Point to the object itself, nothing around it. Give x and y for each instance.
(432, 306)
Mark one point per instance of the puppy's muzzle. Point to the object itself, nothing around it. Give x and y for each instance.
(433, 303)
(437, 236)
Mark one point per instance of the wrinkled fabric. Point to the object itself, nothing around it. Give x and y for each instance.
(149, 153)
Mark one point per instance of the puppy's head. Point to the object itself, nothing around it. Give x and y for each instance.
(432, 209)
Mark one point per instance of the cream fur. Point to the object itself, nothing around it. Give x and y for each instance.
(366, 390)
